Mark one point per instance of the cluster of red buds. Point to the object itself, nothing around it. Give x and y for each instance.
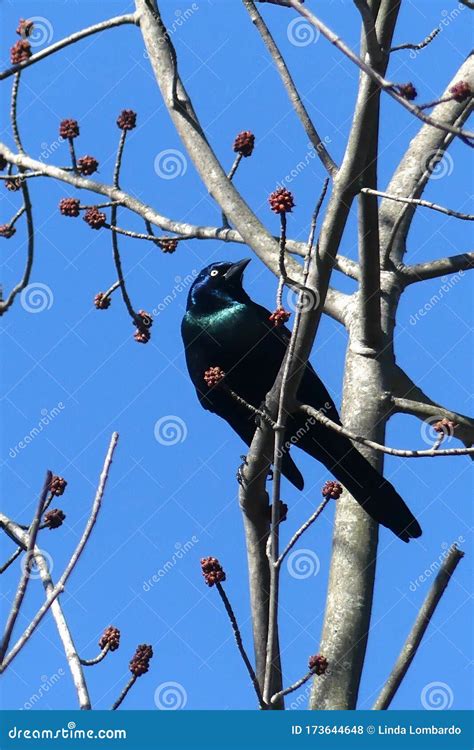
(87, 165)
(110, 638)
(141, 660)
(7, 231)
(3, 162)
(213, 376)
(95, 218)
(68, 129)
(212, 571)
(461, 91)
(69, 206)
(54, 518)
(144, 322)
(20, 52)
(444, 426)
(167, 244)
(24, 28)
(318, 664)
(57, 485)
(332, 490)
(13, 184)
(281, 201)
(244, 143)
(127, 119)
(408, 91)
(279, 317)
(101, 302)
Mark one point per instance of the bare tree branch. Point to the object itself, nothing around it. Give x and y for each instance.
(387, 86)
(77, 36)
(295, 98)
(401, 452)
(25, 576)
(418, 630)
(435, 268)
(53, 591)
(419, 202)
(419, 46)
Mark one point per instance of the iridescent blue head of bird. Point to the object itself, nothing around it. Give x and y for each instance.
(218, 285)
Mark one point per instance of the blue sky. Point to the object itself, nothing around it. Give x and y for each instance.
(168, 498)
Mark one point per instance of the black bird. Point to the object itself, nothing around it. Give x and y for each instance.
(223, 327)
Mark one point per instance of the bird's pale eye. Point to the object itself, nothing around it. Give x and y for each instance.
(215, 272)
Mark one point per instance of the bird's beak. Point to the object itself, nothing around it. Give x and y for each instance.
(237, 269)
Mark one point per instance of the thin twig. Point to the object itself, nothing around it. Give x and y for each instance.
(419, 202)
(97, 659)
(387, 86)
(124, 692)
(419, 46)
(240, 645)
(293, 94)
(53, 591)
(418, 630)
(310, 411)
(291, 688)
(25, 577)
(301, 530)
(27, 208)
(11, 560)
(102, 26)
(435, 268)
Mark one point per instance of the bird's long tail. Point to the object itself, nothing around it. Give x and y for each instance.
(366, 485)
